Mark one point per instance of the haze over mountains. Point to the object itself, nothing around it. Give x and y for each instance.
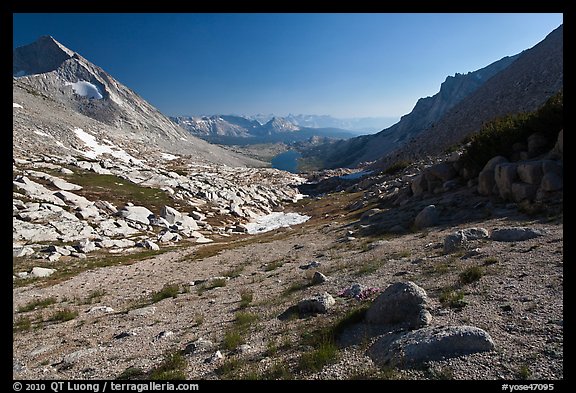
(231, 129)
(513, 84)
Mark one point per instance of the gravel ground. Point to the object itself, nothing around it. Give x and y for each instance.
(518, 301)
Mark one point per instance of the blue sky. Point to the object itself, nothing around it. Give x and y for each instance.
(344, 65)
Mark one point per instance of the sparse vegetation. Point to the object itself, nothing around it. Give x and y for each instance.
(219, 282)
(524, 372)
(235, 336)
(369, 267)
(273, 265)
(131, 373)
(490, 261)
(93, 297)
(451, 298)
(230, 368)
(37, 304)
(471, 274)
(234, 272)
(22, 324)
(168, 290)
(278, 371)
(198, 319)
(246, 296)
(172, 368)
(325, 353)
(63, 315)
(296, 286)
(397, 167)
(232, 340)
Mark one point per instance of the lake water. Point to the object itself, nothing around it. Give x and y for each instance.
(287, 161)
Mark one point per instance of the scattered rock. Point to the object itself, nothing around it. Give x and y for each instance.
(403, 304)
(104, 309)
(429, 344)
(53, 257)
(85, 246)
(459, 239)
(73, 357)
(515, 234)
(148, 244)
(215, 358)
(200, 345)
(319, 303)
(142, 312)
(138, 214)
(163, 334)
(22, 251)
(124, 335)
(475, 233)
(454, 242)
(312, 264)
(319, 278)
(428, 217)
(41, 272)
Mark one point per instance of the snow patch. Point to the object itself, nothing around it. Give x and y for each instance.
(96, 149)
(15, 105)
(275, 220)
(86, 89)
(42, 133)
(62, 145)
(183, 139)
(169, 157)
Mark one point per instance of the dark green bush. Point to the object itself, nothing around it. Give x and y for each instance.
(497, 136)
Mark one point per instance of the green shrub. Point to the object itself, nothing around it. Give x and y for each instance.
(22, 324)
(168, 290)
(451, 298)
(497, 136)
(471, 274)
(232, 340)
(314, 361)
(172, 368)
(62, 315)
(131, 373)
(396, 167)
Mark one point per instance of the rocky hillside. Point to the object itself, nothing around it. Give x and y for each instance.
(513, 84)
(414, 275)
(59, 90)
(537, 75)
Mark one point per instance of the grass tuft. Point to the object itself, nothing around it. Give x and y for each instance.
(37, 304)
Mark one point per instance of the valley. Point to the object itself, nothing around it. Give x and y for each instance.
(156, 248)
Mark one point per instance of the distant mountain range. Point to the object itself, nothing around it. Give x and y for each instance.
(360, 125)
(510, 85)
(231, 129)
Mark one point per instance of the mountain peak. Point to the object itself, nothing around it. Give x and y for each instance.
(43, 55)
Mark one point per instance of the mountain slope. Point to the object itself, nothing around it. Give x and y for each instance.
(78, 91)
(524, 86)
(426, 111)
